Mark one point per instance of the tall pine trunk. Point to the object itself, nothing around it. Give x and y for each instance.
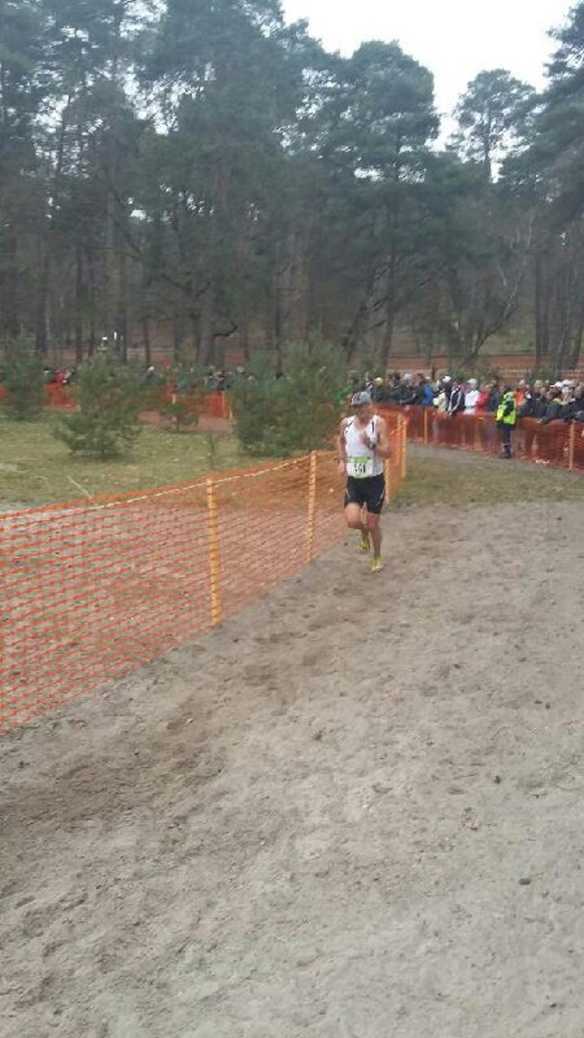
(79, 305)
(43, 299)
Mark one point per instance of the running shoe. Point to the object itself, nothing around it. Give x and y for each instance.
(365, 546)
(377, 565)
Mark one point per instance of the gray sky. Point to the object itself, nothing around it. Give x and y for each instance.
(456, 39)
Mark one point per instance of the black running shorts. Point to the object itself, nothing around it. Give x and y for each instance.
(369, 491)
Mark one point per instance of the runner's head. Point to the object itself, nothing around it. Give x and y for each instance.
(361, 403)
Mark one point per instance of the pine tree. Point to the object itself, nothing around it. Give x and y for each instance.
(106, 424)
(23, 381)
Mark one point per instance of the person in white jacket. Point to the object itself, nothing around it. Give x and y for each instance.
(471, 397)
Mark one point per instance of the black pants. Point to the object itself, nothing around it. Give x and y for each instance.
(506, 432)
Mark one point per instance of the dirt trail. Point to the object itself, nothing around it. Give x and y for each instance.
(355, 812)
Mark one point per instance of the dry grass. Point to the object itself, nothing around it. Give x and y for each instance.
(440, 476)
(35, 468)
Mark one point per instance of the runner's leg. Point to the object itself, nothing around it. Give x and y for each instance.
(354, 515)
(376, 533)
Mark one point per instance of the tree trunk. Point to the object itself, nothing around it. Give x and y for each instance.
(92, 306)
(11, 316)
(42, 314)
(244, 330)
(178, 336)
(388, 337)
(146, 342)
(543, 289)
(79, 306)
(42, 329)
(122, 307)
(577, 347)
(109, 291)
(206, 347)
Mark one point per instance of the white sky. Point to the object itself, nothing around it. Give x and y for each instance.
(455, 39)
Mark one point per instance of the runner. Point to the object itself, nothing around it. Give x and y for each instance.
(363, 446)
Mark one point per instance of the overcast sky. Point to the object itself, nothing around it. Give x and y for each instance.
(456, 39)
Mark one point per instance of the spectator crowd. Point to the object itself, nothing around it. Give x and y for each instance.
(543, 400)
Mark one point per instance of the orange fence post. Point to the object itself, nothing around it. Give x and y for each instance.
(214, 554)
(311, 507)
(404, 448)
(571, 446)
(388, 487)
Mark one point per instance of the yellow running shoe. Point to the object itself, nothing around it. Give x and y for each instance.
(377, 565)
(365, 545)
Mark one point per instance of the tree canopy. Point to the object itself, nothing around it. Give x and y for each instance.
(202, 167)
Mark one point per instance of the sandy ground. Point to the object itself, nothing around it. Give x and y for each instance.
(354, 812)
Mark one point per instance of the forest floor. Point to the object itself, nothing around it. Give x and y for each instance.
(354, 811)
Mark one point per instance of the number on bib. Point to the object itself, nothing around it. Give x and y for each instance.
(360, 468)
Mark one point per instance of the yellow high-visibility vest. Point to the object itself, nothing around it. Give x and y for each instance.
(508, 418)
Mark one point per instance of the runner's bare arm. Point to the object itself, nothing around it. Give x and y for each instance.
(383, 445)
(342, 448)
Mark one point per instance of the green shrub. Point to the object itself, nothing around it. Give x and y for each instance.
(180, 412)
(110, 399)
(295, 413)
(24, 381)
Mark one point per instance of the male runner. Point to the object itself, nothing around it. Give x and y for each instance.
(363, 447)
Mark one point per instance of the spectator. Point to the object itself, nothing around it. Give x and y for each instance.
(404, 394)
(574, 411)
(568, 388)
(554, 406)
(446, 385)
(471, 397)
(494, 398)
(507, 420)
(535, 403)
(484, 398)
(369, 384)
(456, 402)
(441, 400)
(425, 393)
(521, 393)
(379, 393)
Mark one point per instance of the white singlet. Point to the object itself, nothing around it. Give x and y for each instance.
(362, 463)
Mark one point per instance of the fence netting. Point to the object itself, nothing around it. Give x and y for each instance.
(94, 589)
(559, 444)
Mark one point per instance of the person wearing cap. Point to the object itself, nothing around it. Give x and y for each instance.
(507, 420)
(378, 394)
(363, 446)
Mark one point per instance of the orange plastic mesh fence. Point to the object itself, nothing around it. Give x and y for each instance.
(559, 444)
(92, 590)
(209, 404)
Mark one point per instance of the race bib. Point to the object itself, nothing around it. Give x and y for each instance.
(360, 468)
